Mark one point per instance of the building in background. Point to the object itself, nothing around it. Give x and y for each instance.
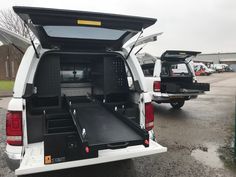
(10, 59)
(215, 58)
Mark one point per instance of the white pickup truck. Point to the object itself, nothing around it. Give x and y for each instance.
(171, 78)
(72, 105)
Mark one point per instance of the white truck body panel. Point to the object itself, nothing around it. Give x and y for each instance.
(157, 70)
(15, 104)
(149, 83)
(14, 152)
(136, 69)
(24, 72)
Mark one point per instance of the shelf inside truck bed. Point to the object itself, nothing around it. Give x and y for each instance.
(103, 128)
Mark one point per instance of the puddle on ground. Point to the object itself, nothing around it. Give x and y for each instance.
(208, 156)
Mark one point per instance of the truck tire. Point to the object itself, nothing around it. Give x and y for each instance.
(177, 104)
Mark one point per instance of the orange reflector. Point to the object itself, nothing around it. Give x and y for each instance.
(48, 159)
(89, 22)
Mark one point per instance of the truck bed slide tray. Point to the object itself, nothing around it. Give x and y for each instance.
(101, 128)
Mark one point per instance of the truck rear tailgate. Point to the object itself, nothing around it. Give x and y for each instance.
(33, 160)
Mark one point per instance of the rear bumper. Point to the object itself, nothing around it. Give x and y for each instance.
(33, 161)
(167, 97)
(13, 156)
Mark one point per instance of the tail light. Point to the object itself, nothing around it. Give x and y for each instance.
(156, 86)
(149, 116)
(14, 128)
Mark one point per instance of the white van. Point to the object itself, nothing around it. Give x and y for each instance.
(72, 105)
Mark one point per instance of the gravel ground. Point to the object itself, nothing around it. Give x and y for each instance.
(190, 134)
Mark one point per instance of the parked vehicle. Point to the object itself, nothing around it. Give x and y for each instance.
(228, 69)
(72, 105)
(218, 67)
(171, 78)
(201, 69)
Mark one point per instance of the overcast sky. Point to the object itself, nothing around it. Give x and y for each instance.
(208, 26)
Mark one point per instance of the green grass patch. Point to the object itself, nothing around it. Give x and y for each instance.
(6, 85)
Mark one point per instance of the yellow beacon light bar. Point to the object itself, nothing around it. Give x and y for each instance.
(89, 22)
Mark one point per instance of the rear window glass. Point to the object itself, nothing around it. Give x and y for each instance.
(75, 73)
(177, 56)
(148, 69)
(174, 69)
(81, 32)
(148, 72)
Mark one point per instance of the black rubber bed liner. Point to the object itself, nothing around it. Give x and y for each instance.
(100, 127)
(104, 128)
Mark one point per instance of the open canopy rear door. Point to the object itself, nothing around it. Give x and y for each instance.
(176, 55)
(145, 40)
(67, 29)
(10, 38)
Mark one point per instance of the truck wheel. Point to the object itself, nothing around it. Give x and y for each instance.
(177, 104)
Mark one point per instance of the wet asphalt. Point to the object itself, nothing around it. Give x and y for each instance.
(192, 135)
